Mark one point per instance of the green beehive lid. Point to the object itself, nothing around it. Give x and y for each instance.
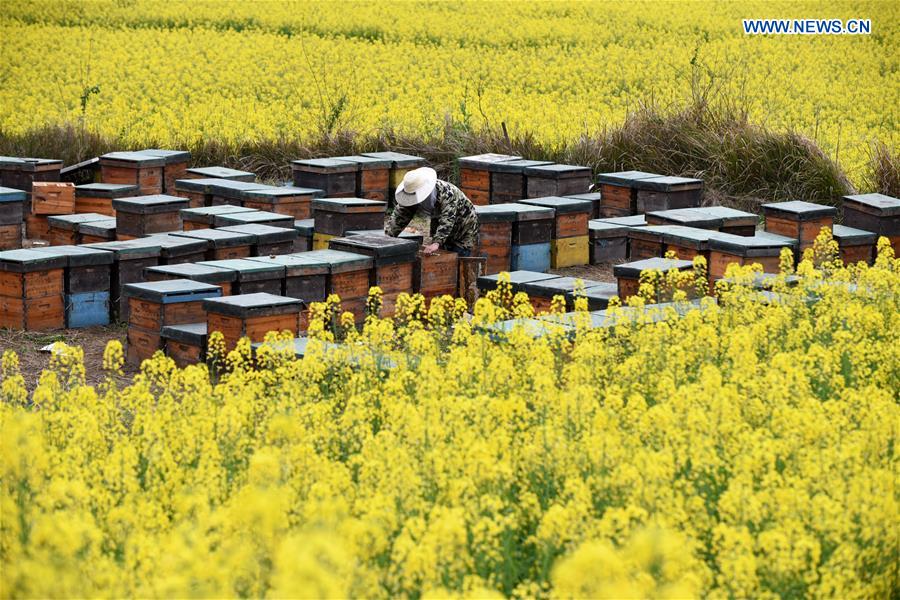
(130, 249)
(221, 173)
(482, 161)
(71, 222)
(560, 204)
(800, 210)
(170, 156)
(80, 256)
(516, 166)
(12, 195)
(246, 269)
(632, 270)
(876, 204)
(624, 178)
(265, 234)
(106, 190)
(296, 264)
(149, 205)
(398, 159)
(195, 272)
(133, 159)
(218, 238)
(27, 261)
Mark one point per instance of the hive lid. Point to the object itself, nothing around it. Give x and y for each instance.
(730, 216)
(557, 171)
(695, 217)
(800, 209)
(624, 178)
(495, 213)
(11, 161)
(246, 305)
(666, 183)
(199, 186)
(26, 261)
(296, 264)
(12, 195)
(482, 161)
(762, 244)
(556, 285)
(80, 256)
(218, 238)
(418, 238)
(137, 159)
(221, 173)
(205, 214)
(599, 291)
(266, 234)
(245, 267)
(306, 227)
(879, 204)
(562, 205)
(526, 212)
(852, 236)
(516, 279)
(271, 193)
(516, 166)
(173, 245)
(261, 217)
(366, 162)
(378, 246)
(331, 165)
(170, 156)
(30, 164)
(632, 270)
(104, 228)
(171, 291)
(602, 229)
(535, 328)
(649, 232)
(398, 159)
(338, 259)
(348, 205)
(233, 189)
(106, 190)
(689, 236)
(130, 249)
(192, 334)
(196, 272)
(593, 319)
(630, 221)
(71, 222)
(149, 205)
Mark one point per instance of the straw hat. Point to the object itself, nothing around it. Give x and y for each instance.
(416, 186)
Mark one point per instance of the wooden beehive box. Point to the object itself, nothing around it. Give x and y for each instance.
(226, 191)
(37, 227)
(204, 217)
(52, 198)
(337, 178)
(645, 242)
(220, 173)
(198, 191)
(608, 242)
(133, 168)
(877, 213)
(556, 180)
(31, 290)
(763, 248)
(665, 193)
(618, 192)
(687, 242)
(597, 295)
(291, 201)
(82, 173)
(305, 276)
(252, 276)
(436, 274)
(495, 225)
(87, 277)
(155, 304)
(222, 245)
(222, 278)
(145, 215)
(349, 276)
(185, 344)
(401, 164)
(130, 259)
(175, 167)
(305, 229)
(12, 217)
(855, 245)
(628, 274)
(475, 175)
(254, 217)
(22, 173)
(373, 177)
(532, 224)
(736, 222)
(594, 198)
(337, 216)
(94, 232)
(542, 291)
(98, 197)
(394, 262)
(799, 220)
(508, 179)
(174, 249)
(268, 240)
(64, 228)
(252, 316)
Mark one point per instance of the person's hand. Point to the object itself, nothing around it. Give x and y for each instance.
(431, 248)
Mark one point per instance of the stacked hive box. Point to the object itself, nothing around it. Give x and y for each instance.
(145, 215)
(306, 229)
(130, 258)
(618, 192)
(185, 344)
(220, 244)
(666, 193)
(175, 250)
(334, 217)
(855, 245)
(222, 278)
(556, 180)
(86, 276)
(253, 217)
(98, 197)
(508, 181)
(349, 275)
(157, 304)
(475, 176)
(134, 168)
(22, 173)
(569, 240)
(83, 173)
(394, 262)
(436, 274)
(226, 191)
(594, 198)
(174, 167)
(532, 232)
(292, 201)
(687, 242)
(763, 248)
(401, 164)
(63, 229)
(877, 213)
(305, 275)
(267, 240)
(609, 242)
(337, 178)
(220, 173)
(799, 220)
(252, 316)
(645, 242)
(495, 225)
(47, 199)
(204, 217)
(735, 222)
(373, 177)
(12, 216)
(251, 276)
(31, 290)
(628, 275)
(94, 232)
(197, 191)
(597, 295)
(541, 292)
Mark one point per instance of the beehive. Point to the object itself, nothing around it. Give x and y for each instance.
(736, 222)
(94, 232)
(220, 173)
(764, 248)
(320, 241)
(174, 249)
(64, 228)
(145, 215)
(628, 274)
(597, 295)
(22, 173)
(337, 178)
(665, 193)
(294, 202)
(31, 290)
(185, 344)
(174, 168)
(252, 316)
(373, 176)
(495, 236)
(401, 164)
(608, 242)
(594, 198)
(475, 175)
(305, 275)
(687, 242)
(508, 179)
(436, 274)
(349, 276)
(799, 220)
(98, 197)
(130, 258)
(337, 216)
(82, 173)
(222, 278)
(226, 191)
(267, 240)
(197, 191)
(253, 217)
(855, 245)
(569, 237)
(252, 276)
(645, 242)
(86, 275)
(156, 304)
(12, 216)
(222, 245)
(542, 291)
(305, 229)
(556, 180)
(877, 213)
(134, 168)
(394, 262)
(204, 217)
(517, 280)
(618, 192)
(52, 198)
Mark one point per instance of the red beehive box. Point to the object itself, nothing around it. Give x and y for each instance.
(31, 290)
(799, 220)
(175, 167)
(133, 168)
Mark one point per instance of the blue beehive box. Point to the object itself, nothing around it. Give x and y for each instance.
(530, 257)
(87, 309)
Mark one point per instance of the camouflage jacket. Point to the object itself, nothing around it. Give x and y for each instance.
(453, 219)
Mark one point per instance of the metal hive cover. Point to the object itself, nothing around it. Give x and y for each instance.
(219, 172)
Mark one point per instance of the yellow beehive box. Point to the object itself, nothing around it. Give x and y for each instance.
(568, 252)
